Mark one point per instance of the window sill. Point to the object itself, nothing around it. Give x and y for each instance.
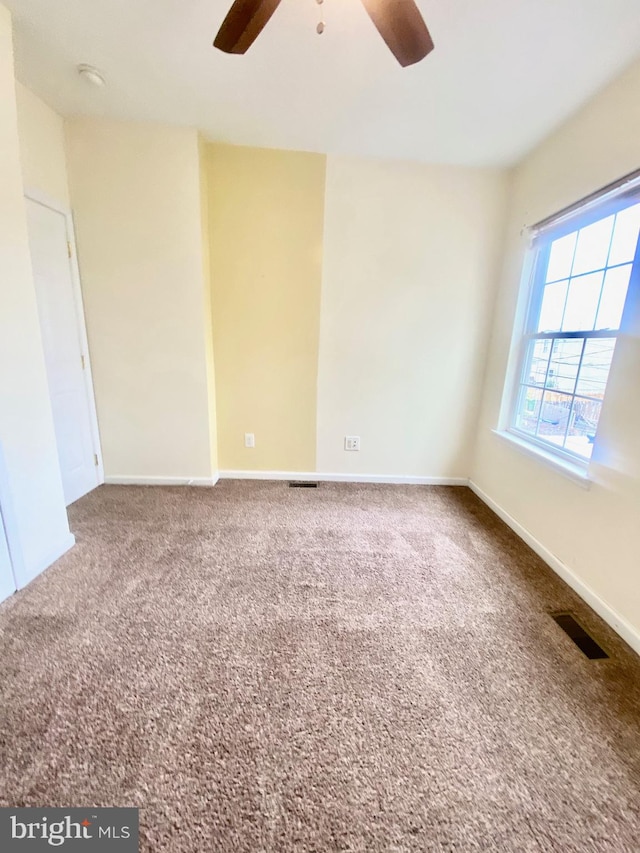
(577, 473)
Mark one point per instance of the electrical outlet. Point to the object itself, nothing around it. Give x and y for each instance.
(249, 439)
(352, 442)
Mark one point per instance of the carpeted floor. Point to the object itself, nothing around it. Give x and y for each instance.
(357, 668)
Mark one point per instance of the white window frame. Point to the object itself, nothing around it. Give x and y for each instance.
(613, 198)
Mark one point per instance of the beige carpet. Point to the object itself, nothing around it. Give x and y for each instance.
(357, 668)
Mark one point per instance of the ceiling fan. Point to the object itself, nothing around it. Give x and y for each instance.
(399, 22)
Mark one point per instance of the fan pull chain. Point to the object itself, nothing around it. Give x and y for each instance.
(320, 27)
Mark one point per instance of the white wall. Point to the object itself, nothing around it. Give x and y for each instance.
(39, 519)
(136, 196)
(595, 533)
(42, 147)
(410, 267)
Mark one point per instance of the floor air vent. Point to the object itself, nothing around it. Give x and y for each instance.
(579, 636)
(302, 484)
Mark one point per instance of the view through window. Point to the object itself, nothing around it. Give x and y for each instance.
(581, 282)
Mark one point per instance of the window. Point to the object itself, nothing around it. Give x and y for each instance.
(582, 267)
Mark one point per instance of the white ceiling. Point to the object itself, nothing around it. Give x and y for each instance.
(502, 75)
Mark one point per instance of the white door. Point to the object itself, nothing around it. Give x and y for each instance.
(60, 319)
(7, 582)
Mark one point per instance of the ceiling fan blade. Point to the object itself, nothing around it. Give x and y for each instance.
(401, 25)
(243, 24)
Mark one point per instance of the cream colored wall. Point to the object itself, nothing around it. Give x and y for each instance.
(595, 533)
(27, 437)
(136, 196)
(42, 147)
(265, 211)
(410, 264)
(208, 310)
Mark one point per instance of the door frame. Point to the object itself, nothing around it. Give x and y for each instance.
(9, 523)
(45, 200)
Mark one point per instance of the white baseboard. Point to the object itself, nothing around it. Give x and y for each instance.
(619, 624)
(134, 480)
(316, 476)
(44, 562)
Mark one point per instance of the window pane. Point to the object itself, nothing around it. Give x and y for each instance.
(593, 246)
(553, 300)
(594, 369)
(554, 416)
(537, 362)
(528, 408)
(625, 235)
(614, 292)
(583, 427)
(561, 257)
(582, 302)
(580, 295)
(565, 359)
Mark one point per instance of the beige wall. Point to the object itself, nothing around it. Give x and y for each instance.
(410, 268)
(27, 437)
(42, 147)
(136, 196)
(595, 533)
(208, 309)
(265, 213)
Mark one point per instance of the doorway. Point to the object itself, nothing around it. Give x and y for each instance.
(7, 580)
(9, 556)
(64, 342)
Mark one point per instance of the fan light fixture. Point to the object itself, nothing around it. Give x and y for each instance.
(399, 22)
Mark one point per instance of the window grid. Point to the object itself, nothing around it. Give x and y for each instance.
(545, 396)
(571, 396)
(569, 281)
(591, 272)
(604, 271)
